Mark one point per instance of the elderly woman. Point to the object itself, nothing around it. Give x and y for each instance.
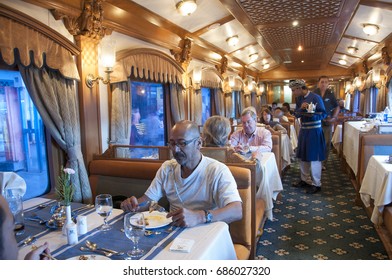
(216, 131)
(272, 126)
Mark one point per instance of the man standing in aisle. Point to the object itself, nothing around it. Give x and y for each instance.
(332, 108)
(311, 143)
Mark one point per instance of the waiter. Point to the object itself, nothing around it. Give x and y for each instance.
(311, 142)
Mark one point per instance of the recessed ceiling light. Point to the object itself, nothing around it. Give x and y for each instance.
(232, 41)
(253, 56)
(186, 7)
(300, 48)
(342, 61)
(295, 22)
(302, 61)
(370, 29)
(352, 50)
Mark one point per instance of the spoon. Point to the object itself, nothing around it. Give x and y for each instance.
(94, 246)
(107, 254)
(27, 241)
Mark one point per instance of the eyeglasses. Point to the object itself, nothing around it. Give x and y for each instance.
(180, 143)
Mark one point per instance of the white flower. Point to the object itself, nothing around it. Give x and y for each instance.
(69, 171)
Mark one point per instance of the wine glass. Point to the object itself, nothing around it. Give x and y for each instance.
(104, 207)
(134, 228)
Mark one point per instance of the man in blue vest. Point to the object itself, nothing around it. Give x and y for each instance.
(311, 142)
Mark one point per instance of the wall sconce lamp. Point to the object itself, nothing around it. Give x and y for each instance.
(370, 29)
(358, 82)
(232, 41)
(197, 72)
(376, 75)
(231, 81)
(107, 60)
(186, 7)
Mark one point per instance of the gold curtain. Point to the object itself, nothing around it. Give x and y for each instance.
(28, 41)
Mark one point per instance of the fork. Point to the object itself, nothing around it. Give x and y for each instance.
(170, 229)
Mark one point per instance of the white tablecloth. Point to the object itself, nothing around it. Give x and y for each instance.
(293, 137)
(337, 137)
(286, 149)
(270, 184)
(212, 241)
(351, 143)
(377, 185)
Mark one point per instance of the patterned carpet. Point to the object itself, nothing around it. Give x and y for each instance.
(326, 225)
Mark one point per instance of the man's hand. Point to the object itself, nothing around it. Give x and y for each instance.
(130, 204)
(36, 253)
(186, 218)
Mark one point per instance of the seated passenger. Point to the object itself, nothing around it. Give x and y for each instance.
(279, 115)
(251, 136)
(216, 131)
(272, 126)
(199, 189)
(8, 245)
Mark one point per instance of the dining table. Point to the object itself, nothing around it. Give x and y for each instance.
(377, 186)
(337, 138)
(158, 246)
(351, 137)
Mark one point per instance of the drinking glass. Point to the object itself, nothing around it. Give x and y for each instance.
(134, 228)
(104, 207)
(16, 206)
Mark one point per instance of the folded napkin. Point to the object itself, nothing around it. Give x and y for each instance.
(12, 183)
(182, 245)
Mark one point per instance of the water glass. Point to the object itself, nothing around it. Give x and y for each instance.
(15, 203)
(104, 207)
(134, 228)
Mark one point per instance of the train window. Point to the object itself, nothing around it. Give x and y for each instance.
(22, 137)
(206, 104)
(148, 114)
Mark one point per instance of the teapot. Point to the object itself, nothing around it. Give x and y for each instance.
(311, 107)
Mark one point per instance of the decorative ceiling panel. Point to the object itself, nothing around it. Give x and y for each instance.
(267, 11)
(309, 35)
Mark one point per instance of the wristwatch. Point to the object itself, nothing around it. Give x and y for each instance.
(208, 216)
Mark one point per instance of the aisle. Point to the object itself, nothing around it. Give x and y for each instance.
(325, 225)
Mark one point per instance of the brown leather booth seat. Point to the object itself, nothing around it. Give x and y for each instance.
(122, 177)
(387, 217)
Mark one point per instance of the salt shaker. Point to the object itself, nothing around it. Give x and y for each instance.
(72, 234)
(81, 222)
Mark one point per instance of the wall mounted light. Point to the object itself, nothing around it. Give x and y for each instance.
(358, 82)
(186, 7)
(370, 29)
(348, 86)
(232, 41)
(376, 75)
(352, 49)
(107, 59)
(197, 72)
(231, 81)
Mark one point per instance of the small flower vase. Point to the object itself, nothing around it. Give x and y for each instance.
(68, 219)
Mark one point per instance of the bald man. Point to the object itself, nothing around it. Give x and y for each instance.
(199, 189)
(8, 245)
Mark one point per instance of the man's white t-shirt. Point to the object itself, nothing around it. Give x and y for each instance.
(211, 185)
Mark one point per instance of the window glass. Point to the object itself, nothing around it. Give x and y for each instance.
(22, 138)
(277, 94)
(147, 119)
(206, 104)
(287, 94)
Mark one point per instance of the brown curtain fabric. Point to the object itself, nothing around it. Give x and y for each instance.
(176, 102)
(32, 46)
(120, 124)
(56, 100)
(146, 64)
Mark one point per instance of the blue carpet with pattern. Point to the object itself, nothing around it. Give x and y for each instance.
(326, 225)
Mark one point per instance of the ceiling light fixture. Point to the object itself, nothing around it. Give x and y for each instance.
(253, 56)
(300, 48)
(232, 41)
(352, 49)
(370, 29)
(295, 22)
(342, 61)
(186, 7)
(266, 66)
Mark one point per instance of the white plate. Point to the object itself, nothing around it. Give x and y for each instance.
(156, 219)
(90, 257)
